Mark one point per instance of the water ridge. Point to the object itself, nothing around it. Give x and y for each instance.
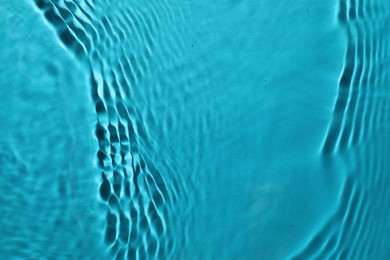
(143, 200)
(355, 135)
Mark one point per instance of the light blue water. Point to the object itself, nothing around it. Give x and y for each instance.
(194, 129)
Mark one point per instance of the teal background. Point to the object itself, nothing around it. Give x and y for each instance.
(233, 103)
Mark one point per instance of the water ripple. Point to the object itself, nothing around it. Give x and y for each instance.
(359, 92)
(116, 42)
(355, 135)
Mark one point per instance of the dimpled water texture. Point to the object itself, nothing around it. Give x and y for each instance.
(173, 129)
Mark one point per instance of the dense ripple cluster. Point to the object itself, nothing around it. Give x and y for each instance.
(140, 199)
(360, 105)
(355, 134)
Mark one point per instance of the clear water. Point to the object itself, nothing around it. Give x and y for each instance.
(194, 129)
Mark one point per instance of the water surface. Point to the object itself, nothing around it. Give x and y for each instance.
(194, 130)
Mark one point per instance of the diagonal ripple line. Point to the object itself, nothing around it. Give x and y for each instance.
(141, 200)
(355, 134)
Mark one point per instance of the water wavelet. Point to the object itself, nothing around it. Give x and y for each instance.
(358, 85)
(354, 136)
(142, 199)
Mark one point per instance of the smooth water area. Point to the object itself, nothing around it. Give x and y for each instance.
(194, 129)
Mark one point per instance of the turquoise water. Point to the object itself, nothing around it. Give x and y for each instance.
(194, 129)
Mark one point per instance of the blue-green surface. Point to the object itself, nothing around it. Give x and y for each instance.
(176, 129)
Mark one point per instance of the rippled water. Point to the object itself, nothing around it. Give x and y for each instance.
(194, 129)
